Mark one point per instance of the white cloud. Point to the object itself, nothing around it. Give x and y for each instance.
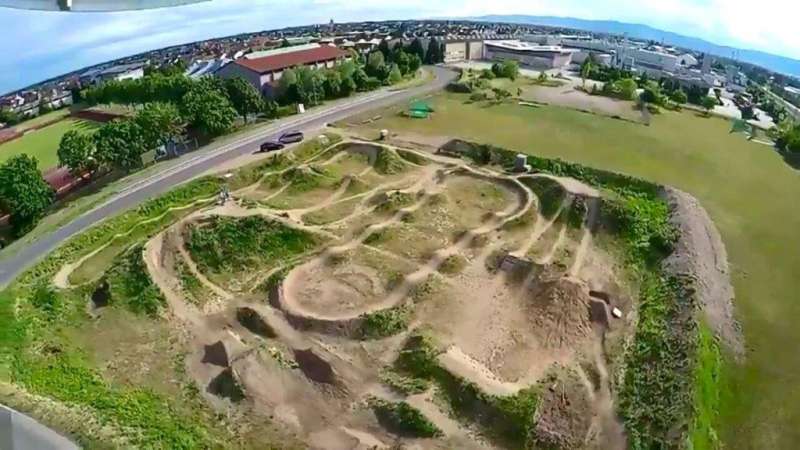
(41, 44)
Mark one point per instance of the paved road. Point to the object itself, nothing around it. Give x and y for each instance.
(198, 163)
(20, 432)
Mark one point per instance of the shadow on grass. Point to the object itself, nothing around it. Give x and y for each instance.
(791, 158)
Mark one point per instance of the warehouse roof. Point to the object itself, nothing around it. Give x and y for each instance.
(285, 60)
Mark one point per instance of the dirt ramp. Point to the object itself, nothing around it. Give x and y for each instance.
(314, 367)
(226, 385)
(560, 312)
(700, 258)
(563, 418)
(255, 323)
(217, 354)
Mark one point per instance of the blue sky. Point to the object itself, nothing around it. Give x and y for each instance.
(40, 45)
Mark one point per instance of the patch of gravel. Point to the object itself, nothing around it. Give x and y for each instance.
(700, 257)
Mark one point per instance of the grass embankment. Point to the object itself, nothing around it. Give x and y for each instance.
(42, 144)
(743, 185)
(506, 419)
(123, 373)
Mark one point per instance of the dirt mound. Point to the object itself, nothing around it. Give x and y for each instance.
(227, 385)
(563, 417)
(101, 295)
(560, 312)
(217, 354)
(700, 257)
(314, 367)
(252, 320)
(388, 162)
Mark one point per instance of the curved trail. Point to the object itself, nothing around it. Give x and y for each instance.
(61, 278)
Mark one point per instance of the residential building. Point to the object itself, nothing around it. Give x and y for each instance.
(529, 55)
(456, 50)
(118, 72)
(263, 72)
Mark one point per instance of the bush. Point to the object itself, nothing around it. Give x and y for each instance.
(131, 284)
(403, 418)
(388, 322)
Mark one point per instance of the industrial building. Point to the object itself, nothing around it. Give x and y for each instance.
(264, 71)
(119, 72)
(456, 50)
(529, 55)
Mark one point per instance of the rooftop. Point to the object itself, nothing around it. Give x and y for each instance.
(282, 61)
(520, 46)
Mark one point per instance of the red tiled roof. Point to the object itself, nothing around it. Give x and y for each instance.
(286, 60)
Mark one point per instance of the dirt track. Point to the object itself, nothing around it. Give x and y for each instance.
(312, 377)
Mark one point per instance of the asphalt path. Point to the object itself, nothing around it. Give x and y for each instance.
(197, 163)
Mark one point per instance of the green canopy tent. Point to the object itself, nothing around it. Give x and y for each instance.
(419, 110)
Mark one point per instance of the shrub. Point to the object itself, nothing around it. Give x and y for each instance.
(403, 418)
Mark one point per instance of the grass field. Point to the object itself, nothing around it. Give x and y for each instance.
(43, 144)
(746, 187)
(52, 115)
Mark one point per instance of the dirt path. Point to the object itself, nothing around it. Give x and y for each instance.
(590, 223)
(562, 237)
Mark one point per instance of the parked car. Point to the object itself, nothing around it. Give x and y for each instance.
(271, 146)
(291, 137)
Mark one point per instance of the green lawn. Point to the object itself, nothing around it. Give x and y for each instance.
(43, 144)
(747, 188)
(47, 117)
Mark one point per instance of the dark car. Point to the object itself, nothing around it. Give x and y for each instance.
(271, 146)
(291, 137)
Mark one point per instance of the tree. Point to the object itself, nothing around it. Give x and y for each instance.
(9, 117)
(76, 152)
(708, 103)
(333, 84)
(417, 49)
(394, 75)
(433, 54)
(120, 144)
(627, 88)
(414, 63)
(586, 70)
(376, 64)
(361, 79)
(209, 111)
(244, 97)
(652, 93)
(347, 71)
(383, 47)
(487, 74)
(510, 69)
(679, 97)
(159, 123)
(24, 193)
(402, 61)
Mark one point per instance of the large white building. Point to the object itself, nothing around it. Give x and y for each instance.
(528, 54)
(628, 56)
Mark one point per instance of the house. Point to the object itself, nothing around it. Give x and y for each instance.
(263, 72)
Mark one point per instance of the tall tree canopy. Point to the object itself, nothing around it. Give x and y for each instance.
(244, 96)
(159, 123)
(76, 152)
(208, 110)
(23, 192)
(120, 144)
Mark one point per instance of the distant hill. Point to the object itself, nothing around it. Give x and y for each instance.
(773, 62)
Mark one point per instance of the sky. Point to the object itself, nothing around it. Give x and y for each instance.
(39, 45)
